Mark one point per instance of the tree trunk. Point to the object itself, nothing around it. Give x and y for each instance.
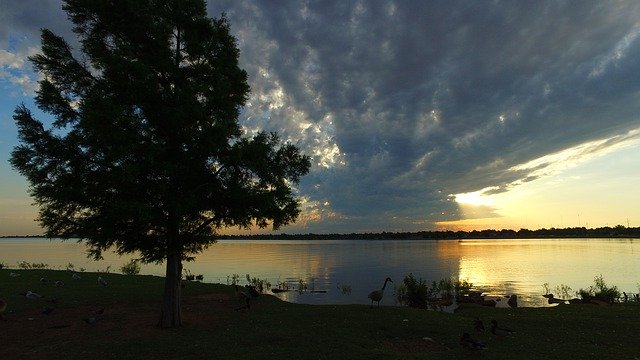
(171, 301)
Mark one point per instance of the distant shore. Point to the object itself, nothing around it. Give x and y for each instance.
(568, 233)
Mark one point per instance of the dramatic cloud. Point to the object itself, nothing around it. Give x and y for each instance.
(404, 105)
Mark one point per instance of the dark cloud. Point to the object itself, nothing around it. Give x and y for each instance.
(403, 103)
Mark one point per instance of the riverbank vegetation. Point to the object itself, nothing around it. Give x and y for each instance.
(83, 318)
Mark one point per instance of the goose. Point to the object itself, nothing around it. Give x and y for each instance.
(244, 297)
(468, 343)
(59, 283)
(75, 276)
(48, 310)
(12, 274)
(102, 281)
(90, 320)
(3, 307)
(31, 294)
(495, 330)
(377, 295)
(478, 325)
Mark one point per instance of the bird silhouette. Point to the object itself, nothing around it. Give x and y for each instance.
(3, 307)
(244, 297)
(377, 295)
(495, 330)
(91, 320)
(102, 281)
(48, 310)
(469, 343)
(31, 294)
(478, 325)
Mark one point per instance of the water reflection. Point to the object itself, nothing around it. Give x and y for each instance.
(499, 267)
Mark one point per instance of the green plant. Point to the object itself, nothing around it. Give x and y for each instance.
(462, 287)
(563, 291)
(600, 290)
(188, 275)
(233, 279)
(105, 271)
(302, 285)
(259, 284)
(131, 268)
(546, 288)
(28, 265)
(413, 292)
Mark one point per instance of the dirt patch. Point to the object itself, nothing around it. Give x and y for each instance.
(35, 334)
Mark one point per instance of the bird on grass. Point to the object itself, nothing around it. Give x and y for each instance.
(377, 295)
(59, 283)
(48, 310)
(470, 344)
(244, 297)
(102, 281)
(75, 276)
(495, 330)
(90, 320)
(31, 294)
(478, 325)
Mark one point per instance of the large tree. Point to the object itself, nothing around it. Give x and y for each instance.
(145, 154)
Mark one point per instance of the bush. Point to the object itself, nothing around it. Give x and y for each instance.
(131, 268)
(413, 292)
(600, 290)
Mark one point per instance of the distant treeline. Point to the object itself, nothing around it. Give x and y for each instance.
(577, 232)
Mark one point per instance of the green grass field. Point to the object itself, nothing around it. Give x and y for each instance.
(277, 329)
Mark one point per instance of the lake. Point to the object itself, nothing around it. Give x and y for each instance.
(497, 267)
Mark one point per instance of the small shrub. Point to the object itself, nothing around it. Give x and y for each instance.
(188, 275)
(600, 290)
(131, 268)
(415, 292)
(233, 279)
(105, 271)
(462, 287)
(259, 284)
(546, 288)
(563, 291)
(27, 265)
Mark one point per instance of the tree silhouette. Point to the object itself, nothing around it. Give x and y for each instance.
(146, 154)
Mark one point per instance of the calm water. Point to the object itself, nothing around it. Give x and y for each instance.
(498, 267)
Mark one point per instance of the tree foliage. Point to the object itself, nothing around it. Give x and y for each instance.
(146, 154)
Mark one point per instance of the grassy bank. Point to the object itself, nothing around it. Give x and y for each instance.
(273, 328)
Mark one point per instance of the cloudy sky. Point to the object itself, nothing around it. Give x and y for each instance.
(418, 115)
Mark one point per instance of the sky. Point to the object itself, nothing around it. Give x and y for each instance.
(418, 115)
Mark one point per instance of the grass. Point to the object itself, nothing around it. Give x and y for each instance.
(273, 328)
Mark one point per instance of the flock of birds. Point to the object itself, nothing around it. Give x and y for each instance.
(50, 307)
(469, 343)
(466, 341)
(246, 293)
